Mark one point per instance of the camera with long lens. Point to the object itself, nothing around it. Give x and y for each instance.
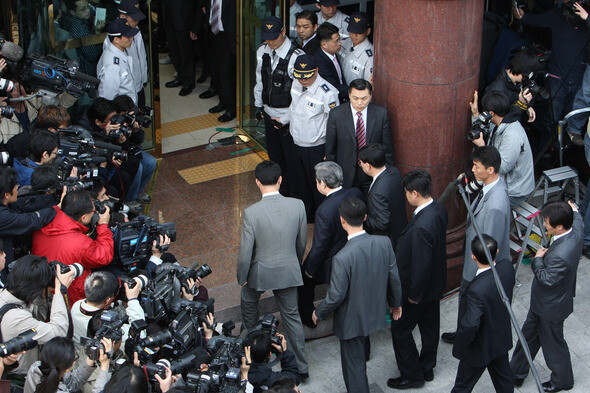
(178, 366)
(480, 126)
(102, 205)
(528, 82)
(6, 85)
(183, 274)
(143, 116)
(57, 75)
(111, 328)
(22, 342)
(63, 269)
(132, 281)
(7, 111)
(126, 128)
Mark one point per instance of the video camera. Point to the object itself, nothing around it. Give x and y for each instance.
(480, 126)
(183, 274)
(57, 75)
(22, 342)
(78, 144)
(110, 329)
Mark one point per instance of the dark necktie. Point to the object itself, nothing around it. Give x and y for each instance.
(351, 49)
(361, 136)
(305, 88)
(477, 200)
(274, 53)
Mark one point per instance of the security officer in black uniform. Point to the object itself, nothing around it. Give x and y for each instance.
(272, 93)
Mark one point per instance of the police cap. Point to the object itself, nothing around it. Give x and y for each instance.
(305, 67)
(358, 23)
(271, 28)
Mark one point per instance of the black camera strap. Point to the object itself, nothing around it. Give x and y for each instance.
(3, 310)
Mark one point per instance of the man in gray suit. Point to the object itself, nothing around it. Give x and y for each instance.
(491, 209)
(552, 296)
(363, 282)
(274, 233)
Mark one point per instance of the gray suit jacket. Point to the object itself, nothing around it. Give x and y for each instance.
(274, 233)
(363, 282)
(554, 285)
(493, 218)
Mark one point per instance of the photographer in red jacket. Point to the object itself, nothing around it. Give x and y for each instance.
(64, 239)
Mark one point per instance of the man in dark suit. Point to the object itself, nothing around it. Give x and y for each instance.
(386, 207)
(363, 282)
(484, 336)
(350, 127)
(328, 235)
(221, 21)
(422, 263)
(274, 233)
(178, 18)
(327, 59)
(307, 26)
(491, 209)
(552, 296)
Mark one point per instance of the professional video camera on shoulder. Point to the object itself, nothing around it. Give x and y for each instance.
(481, 125)
(55, 75)
(78, 144)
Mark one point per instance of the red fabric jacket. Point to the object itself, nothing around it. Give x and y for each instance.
(65, 240)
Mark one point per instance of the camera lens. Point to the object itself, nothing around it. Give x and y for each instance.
(78, 269)
(203, 271)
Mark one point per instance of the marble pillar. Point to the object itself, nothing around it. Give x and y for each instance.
(427, 57)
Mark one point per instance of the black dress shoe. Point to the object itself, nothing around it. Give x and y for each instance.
(226, 117)
(548, 387)
(202, 78)
(217, 109)
(303, 376)
(448, 337)
(428, 375)
(186, 90)
(518, 382)
(174, 83)
(210, 92)
(402, 384)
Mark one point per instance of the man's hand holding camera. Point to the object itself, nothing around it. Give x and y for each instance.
(580, 11)
(283, 347)
(105, 217)
(208, 332)
(157, 250)
(64, 279)
(133, 293)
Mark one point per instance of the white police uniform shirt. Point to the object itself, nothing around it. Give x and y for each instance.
(308, 113)
(114, 69)
(339, 20)
(293, 11)
(137, 52)
(356, 62)
(281, 52)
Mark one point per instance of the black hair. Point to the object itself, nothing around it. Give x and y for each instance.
(77, 203)
(418, 180)
(260, 345)
(29, 277)
(127, 379)
(42, 141)
(100, 285)
(8, 180)
(97, 186)
(523, 62)
(373, 154)
(100, 109)
(360, 84)
(325, 31)
(489, 156)
(309, 15)
(558, 213)
(123, 103)
(267, 173)
(58, 355)
(52, 116)
(283, 385)
(94, 324)
(496, 101)
(44, 177)
(478, 250)
(353, 211)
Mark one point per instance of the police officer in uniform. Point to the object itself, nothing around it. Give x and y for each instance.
(312, 100)
(329, 12)
(272, 92)
(115, 66)
(356, 55)
(129, 9)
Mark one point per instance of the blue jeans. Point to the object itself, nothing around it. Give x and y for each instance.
(147, 167)
(582, 100)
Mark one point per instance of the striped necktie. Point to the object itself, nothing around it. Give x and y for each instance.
(361, 136)
(215, 11)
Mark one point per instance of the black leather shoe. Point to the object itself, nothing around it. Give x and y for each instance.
(518, 382)
(402, 384)
(226, 117)
(174, 83)
(217, 109)
(548, 387)
(303, 376)
(428, 375)
(448, 337)
(186, 90)
(210, 92)
(202, 78)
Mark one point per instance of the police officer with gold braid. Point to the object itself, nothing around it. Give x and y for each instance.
(312, 100)
(356, 54)
(272, 92)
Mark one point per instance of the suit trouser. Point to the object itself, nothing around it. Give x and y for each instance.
(182, 52)
(541, 333)
(287, 301)
(303, 184)
(427, 316)
(224, 69)
(279, 145)
(354, 366)
(500, 372)
(306, 294)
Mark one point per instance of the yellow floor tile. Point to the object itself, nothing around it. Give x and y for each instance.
(178, 127)
(219, 169)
